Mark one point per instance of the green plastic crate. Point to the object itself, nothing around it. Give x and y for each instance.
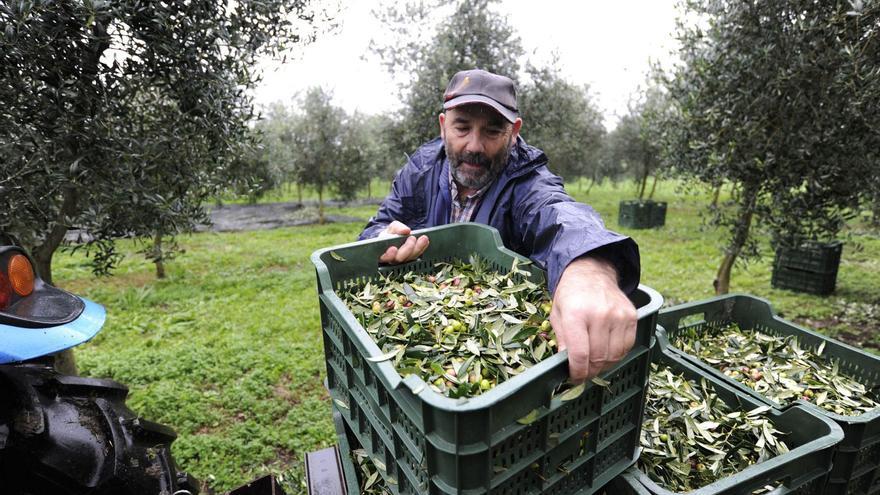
(810, 268)
(794, 279)
(433, 444)
(810, 437)
(641, 214)
(857, 458)
(813, 257)
(658, 213)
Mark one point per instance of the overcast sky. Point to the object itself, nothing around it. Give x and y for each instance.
(605, 44)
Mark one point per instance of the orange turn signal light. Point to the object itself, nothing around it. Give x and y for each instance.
(21, 275)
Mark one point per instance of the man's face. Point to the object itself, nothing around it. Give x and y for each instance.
(477, 141)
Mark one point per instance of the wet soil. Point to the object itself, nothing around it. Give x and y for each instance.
(235, 218)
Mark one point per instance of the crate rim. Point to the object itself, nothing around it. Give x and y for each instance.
(811, 245)
(665, 345)
(556, 364)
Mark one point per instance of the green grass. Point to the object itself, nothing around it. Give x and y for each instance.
(228, 351)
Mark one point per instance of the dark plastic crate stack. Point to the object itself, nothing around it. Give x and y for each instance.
(658, 214)
(811, 268)
(811, 438)
(820, 284)
(642, 214)
(813, 257)
(634, 214)
(431, 444)
(856, 465)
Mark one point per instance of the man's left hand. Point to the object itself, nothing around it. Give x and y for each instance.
(592, 317)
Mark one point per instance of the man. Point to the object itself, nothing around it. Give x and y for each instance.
(481, 170)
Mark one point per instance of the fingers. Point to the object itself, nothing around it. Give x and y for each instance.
(579, 348)
(421, 245)
(411, 249)
(571, 335)
(596, 327)
(389, 255)
(406, 250)
(622, 334)
(397, 228)
(599, 335)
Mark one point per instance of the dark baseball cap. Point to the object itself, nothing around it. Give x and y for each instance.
(479, 86)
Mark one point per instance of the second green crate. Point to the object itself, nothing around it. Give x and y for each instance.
(856, 468)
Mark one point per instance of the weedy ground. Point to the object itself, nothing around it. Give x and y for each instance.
(228, 351)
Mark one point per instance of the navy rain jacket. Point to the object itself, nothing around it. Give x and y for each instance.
(526, 203)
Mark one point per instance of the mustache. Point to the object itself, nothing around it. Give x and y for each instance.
(474, 158)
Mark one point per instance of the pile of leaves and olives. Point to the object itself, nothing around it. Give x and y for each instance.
(779, 368)
(691, 438)
(463, 327)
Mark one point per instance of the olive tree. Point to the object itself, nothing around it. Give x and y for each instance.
(562, 119)
(632, 145)
(328, 148)
(781, 99)
(121, 118)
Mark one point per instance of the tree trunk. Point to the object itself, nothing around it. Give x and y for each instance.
(370, 189)
(875, 213)
(740, 236)
(65, 362)
(157, 255)
(642, 186)
(320, 205)
(590, 187)
(42, 254)
(299, 192)
(716, 195)
(653, 188)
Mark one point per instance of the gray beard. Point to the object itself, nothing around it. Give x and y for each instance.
(491, 167)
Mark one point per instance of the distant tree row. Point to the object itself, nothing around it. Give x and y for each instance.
(315, 143)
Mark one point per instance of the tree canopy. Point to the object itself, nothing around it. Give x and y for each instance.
(632, 146)
(562, 119)
(319, 144)
(121, 118)
(779, 98)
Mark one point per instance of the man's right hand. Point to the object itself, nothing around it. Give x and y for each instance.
(411, 249)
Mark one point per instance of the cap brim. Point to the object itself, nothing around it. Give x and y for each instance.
(510, 115)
